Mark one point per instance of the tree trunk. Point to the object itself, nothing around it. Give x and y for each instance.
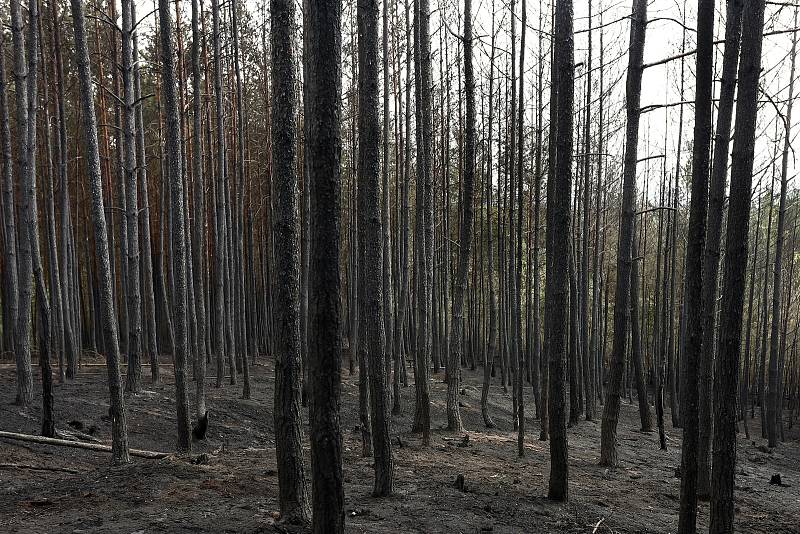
(692, 351)
(26, 179)
(557, 290)
(733, 281)
(220, 310)
(520, 124)
(71, 322)
(764, 333)
(543, 355)
(370, 244)
(119, 430)
(774, 398)
(29, 240)
(423, 261)
(175, 179)
(492, 345)
(293, 498)
(236, 216)
(54, 339)
(636, 347)
(627, 229)
(402, 316)
(588, 360)
(671, 350)
(134, 303)
(730, 61)
(386, 221)
(744, 391)
(323, 47)
(10, 294)
(465, 232)
(199, 227)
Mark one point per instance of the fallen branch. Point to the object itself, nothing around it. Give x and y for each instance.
(594, 530)
(153, 455)
(77, 435)
(38, 468)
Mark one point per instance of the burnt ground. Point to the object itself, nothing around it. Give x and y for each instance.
(235, 490)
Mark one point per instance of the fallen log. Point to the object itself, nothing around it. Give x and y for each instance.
(38, 468)
(153, 455)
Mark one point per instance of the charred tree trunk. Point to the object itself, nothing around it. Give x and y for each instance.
(323, 47)
(465, 232)
(199, 227)
(370, 244)
(692, 353)
(730, 61)
(733, 281)
(491, 349)
(557, 290)
(293, 498)
(627, 229)
(22, 73)
(220, 310)
(645, 418)
(423, 242)
(774, 399)
(10, 289)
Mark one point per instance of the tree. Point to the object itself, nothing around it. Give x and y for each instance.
(22, 72)
(520, 124)
(733, 281)
(589, 362)
(542, 355)
(636, 347)
(236, 211)
(423, 240)
(29, 238)
(119, 429)
(179, 257)
(147, 249)
(719, 168)
(69, 308)
(220, 309)
(492, 344)
(465, 233)
(372, 343)
(198, 229)
(558, 246)
(134, 304)
(288, 420)
(10, 295)
(774, 397)
(692, 350)
(627, 229)
(386, 221)
(322, 52)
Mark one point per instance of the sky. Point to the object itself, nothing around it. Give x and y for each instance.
(661, 84)
(666, 37)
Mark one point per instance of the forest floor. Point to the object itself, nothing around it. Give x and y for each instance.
(235, 488)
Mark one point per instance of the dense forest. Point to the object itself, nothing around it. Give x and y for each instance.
(399, 266)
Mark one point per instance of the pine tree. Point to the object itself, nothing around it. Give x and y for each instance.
(293, 498)
(622, 295)
(119, 429)
(179, 256)
(733, 280)
(323, 56)
(558, 246)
